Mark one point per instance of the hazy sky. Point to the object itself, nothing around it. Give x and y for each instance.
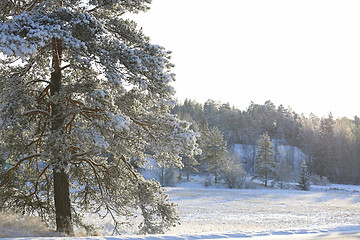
(304, 53)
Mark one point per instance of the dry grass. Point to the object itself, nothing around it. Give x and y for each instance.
(12, 225)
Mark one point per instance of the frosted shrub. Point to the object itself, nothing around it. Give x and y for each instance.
(234, 174)
(207, 182)
(317, 180)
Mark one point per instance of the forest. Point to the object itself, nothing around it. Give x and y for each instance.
(332, 146)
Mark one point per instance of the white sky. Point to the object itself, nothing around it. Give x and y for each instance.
(304, 53)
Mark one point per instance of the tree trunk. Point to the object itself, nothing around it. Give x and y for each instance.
(62, 202)
(61, 179)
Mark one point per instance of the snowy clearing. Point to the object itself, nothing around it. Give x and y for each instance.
(219, 210)
(331, 212)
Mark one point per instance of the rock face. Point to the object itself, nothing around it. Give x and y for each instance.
(291, 155)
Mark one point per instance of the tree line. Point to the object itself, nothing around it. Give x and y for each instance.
(332, 145)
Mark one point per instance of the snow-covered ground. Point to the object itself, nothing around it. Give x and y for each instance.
(331, 212)
(258, 212)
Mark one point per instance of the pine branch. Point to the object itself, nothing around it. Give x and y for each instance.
(6, 175)
(37, 111)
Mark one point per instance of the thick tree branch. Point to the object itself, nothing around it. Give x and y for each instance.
(6, 176)
(37, 111)
(31, 6)
(38, 181)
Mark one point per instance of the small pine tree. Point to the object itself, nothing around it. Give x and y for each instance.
(213, 148)
(304, 178)
(265, 165)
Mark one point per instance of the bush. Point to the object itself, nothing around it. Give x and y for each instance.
(207, 182)
(234, 174)
(317, 180)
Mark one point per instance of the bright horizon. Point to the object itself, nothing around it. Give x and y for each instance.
(302, 54)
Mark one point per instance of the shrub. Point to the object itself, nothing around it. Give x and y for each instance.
(234, 174)
(207, 182)
(317, 180)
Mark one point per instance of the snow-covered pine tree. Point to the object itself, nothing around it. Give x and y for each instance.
(265, 165)
(83, 93)
(304, 178)
(214, 152)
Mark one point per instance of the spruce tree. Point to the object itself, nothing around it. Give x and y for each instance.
(304, 178)
(83, 93)
(265, 165)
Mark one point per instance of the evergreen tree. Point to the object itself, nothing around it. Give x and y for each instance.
(284, 170)
(304, 178)
(344, 148)
(324, 159)
(189, 165)
(309, 137)
(265, 165)
(214, 153)
(357, 149)
(80, 82)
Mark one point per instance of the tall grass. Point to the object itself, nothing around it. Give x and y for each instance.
(13, 225)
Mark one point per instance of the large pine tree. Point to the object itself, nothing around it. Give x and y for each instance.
(83, 93)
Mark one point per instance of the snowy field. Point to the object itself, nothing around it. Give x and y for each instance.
(331, 212)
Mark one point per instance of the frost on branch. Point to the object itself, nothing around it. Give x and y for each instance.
(84, 93)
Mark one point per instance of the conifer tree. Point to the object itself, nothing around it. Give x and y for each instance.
(304, 178)
(80, 83)
(324, 157)
(265, 165)
(214, 152)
